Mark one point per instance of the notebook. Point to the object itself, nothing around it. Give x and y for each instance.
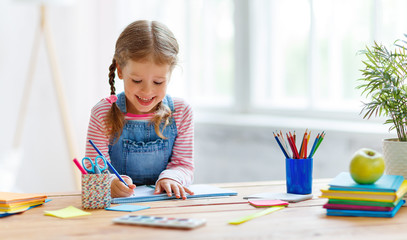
(145, 193)
(387, 183)
(361, 213)
(364, 203)
(356, 207)
(367, 196)
(14, 198)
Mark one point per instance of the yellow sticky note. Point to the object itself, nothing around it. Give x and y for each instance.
(255, 215)
(67, 212)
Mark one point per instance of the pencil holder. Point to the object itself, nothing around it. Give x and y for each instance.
(95, 191)
(298, 175)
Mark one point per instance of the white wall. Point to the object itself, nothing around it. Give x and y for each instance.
(238, 153)
(78, 30)
(225, 150)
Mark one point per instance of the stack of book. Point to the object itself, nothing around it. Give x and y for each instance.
(12, 203)
(381, 199)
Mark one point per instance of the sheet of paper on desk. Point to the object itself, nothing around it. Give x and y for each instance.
(146, 194)
(289, 197)
(67, 212)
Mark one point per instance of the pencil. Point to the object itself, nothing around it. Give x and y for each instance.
(306, 144)
(304, 138)
(294, 148)
(279, 144)
(108, 163)
(291, 145)
(319, 142)
(302, 144)
(79, 166)
(283, 143)
(311, 153)
(294, 138)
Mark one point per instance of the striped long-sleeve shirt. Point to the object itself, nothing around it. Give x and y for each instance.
(181, 165)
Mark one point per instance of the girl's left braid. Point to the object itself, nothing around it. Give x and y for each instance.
(112, 75)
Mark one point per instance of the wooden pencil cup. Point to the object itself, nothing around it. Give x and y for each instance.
(95, 191)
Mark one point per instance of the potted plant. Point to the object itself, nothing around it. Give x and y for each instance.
(383, 83)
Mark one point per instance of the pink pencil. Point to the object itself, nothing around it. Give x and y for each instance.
(79, 166)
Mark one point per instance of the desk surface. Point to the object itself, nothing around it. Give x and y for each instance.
(305, 220)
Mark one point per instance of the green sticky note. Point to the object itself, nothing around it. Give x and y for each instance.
(255, 215)
(67, 212)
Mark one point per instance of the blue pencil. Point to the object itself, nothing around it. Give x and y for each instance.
(279, 144)
(108, 163)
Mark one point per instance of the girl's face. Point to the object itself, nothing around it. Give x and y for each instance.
(145, 85)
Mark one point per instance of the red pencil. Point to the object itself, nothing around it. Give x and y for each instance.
(291, 145)
(295, 151)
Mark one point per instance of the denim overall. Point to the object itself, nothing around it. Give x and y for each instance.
(140, 153)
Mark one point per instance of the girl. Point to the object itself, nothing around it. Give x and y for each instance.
(146, 134)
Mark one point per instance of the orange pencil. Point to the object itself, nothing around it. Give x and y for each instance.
(303, 144)
(306, 144)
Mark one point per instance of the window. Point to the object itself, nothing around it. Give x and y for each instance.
(305, 52)
(271, 55)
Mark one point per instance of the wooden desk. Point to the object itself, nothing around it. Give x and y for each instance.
(304, 220)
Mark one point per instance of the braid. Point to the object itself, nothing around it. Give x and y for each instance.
(115, 117)
(112, 75)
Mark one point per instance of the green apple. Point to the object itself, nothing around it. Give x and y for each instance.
(366, 166)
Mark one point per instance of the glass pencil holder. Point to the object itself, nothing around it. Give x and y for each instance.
(299, 175)
(95, 191)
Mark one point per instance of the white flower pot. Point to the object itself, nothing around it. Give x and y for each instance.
(395, 156)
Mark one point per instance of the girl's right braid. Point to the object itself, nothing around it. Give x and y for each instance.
(112, 75)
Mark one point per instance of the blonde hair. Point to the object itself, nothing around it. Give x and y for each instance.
(141, 41)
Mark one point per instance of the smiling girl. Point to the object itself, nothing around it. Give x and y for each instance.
(147, 135)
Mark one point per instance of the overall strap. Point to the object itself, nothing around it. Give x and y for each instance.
(121, 102)
(169, 102)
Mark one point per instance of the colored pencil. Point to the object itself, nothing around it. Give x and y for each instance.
(284, 144)
(291, 145)
(319, 142)
(302, 152)
(279, 144)
(306, 144)
(311, 153)
(302, 144)
(294, 148)
(108, 163)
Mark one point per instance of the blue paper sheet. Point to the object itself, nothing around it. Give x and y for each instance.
(127, 208)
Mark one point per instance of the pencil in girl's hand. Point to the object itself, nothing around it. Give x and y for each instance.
(279, 144)
(108, 163)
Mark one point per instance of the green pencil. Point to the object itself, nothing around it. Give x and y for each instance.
(318, 143)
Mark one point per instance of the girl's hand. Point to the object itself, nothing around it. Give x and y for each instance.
(169, 186)
(118, 189)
